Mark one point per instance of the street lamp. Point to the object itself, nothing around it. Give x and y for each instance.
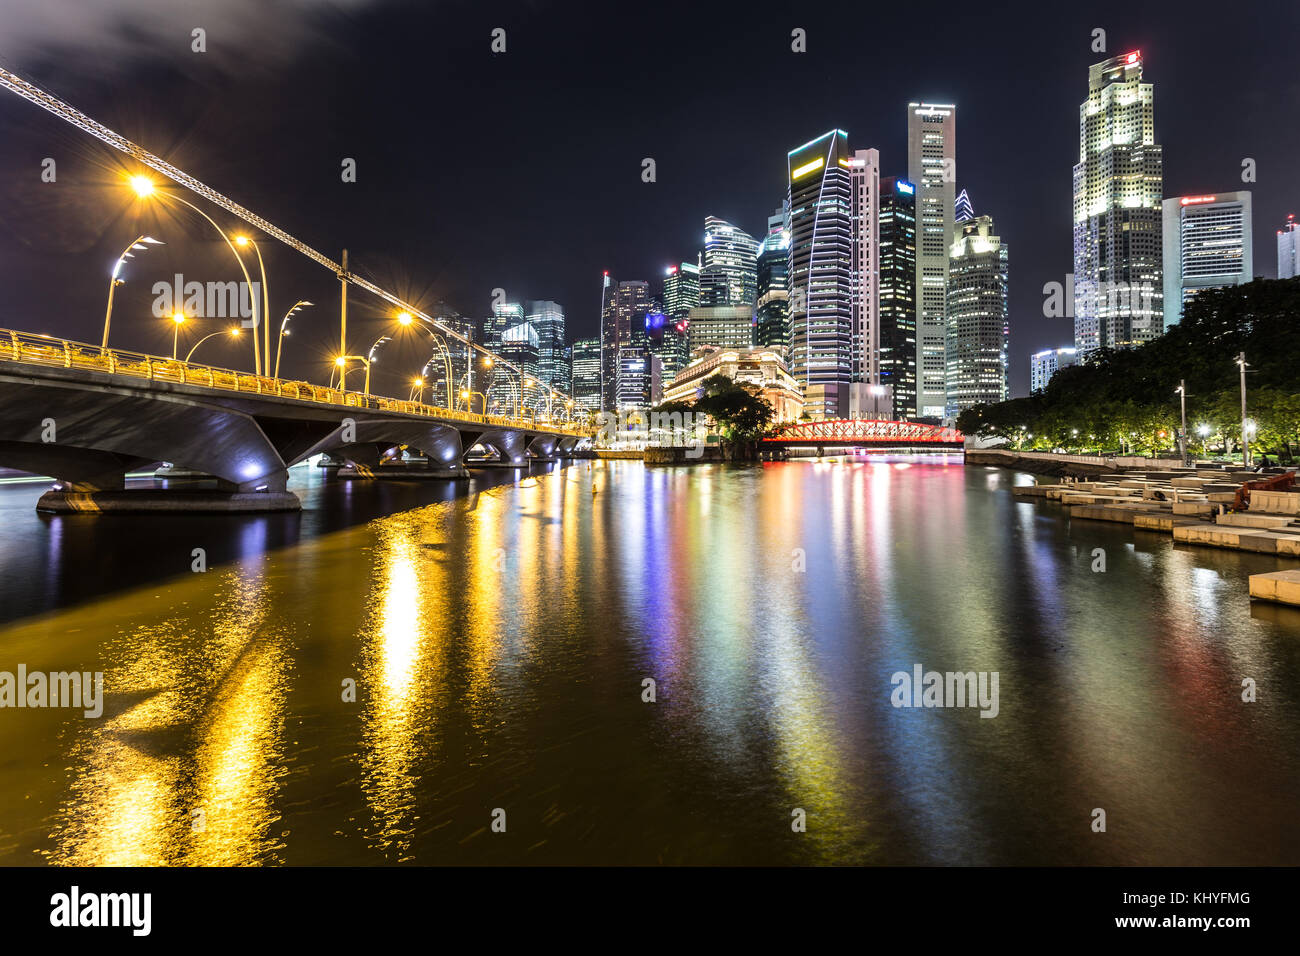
(1245, 439)
(266, 295)
(141, 243)
(1182, 404)
(342, 363)
(233, 333)
(284, 331)
(144, 188)
(178, 319)
(417, 390)
(1204, 432)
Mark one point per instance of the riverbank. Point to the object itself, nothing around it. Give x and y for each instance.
(1196, 506)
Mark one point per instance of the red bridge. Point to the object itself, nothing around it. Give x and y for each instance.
(863, 433)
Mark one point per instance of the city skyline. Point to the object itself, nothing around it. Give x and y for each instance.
(464, 271)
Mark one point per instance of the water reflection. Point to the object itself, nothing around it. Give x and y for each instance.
(501, 636)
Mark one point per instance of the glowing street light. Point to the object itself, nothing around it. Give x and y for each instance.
(178, 319)
(284, 331)
(140, 244)
(232, 332)
(265, 297)
(342, 363)
(144, 188)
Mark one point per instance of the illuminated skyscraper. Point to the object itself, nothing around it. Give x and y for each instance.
(1118, 187)
(772, 307)
(898, 293)
(585, 363)
(1288, 249)
(1206, 245)
(864, 178)
(681, 289)
(932, 168)
(821, 269)
(978, 330)
(547, 318)
(623, 325)
(728, 275)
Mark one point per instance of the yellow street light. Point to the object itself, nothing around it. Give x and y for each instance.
(233, 332)
(144, 187)
(178, 318)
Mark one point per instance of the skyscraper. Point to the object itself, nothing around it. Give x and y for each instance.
(864, 178)
(547, 318)
(585, 364)
(978, 330)
(730, 254)
(1288, 249)
(623, 325)
(898, 293)
(1206, 245)
(504, 315)
(1118, 187)
(932, 168)
(681, 289)
(772, 305)
(821, 269)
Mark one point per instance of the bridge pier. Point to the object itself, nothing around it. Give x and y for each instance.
(63, 501)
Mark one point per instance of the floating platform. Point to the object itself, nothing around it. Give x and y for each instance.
(1282, 587)
(166, 501)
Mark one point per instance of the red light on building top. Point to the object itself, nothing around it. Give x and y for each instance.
(1193, 200)
(1132, 58)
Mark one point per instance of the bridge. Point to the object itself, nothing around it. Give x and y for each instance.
(867, 434)
(86, 415)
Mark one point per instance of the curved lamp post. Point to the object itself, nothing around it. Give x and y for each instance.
(265, 297)
(144, 188)
(233, 332)
(342, 363)
(284, 331)
(141, 243)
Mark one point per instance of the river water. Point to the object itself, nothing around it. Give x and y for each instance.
(499, 636)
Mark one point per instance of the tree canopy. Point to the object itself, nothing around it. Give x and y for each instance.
(1127, 398)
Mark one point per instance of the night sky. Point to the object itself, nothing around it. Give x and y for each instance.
(522, 170)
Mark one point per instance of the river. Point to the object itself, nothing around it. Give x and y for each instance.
(458, 673)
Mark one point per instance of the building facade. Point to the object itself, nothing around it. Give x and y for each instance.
(681, 290)
(898, 294)
(1288, 249)
(864, 179)
(622, 325)
(1206, 245)
(638, 384)
(1043, 365)
(547, 319)
(772, 305)
(584, 382)
(932, 168)
(763, 370)
(978, 329)
(820, 270)
(1118, 192)
(722, 326)
(728, 275)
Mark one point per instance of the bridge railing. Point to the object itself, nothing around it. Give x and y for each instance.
(35, 349)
